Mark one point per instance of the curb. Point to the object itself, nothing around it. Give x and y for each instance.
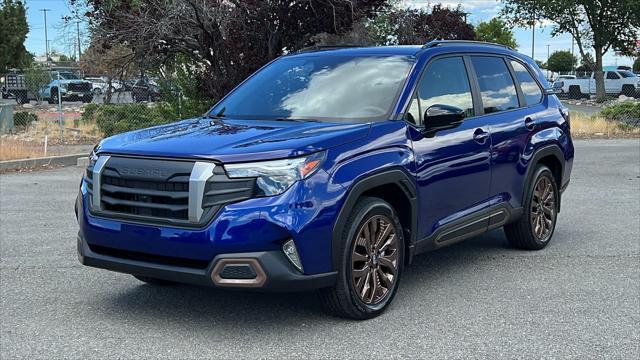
(64, 160)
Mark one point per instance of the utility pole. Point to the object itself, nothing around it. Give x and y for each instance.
(533, 36)
(78, 32)
(573, 64)
(548, 59)
(46, 42)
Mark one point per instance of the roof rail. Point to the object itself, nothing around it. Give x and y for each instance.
(326, 47)
(434, 43)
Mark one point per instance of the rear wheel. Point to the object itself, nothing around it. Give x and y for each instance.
(629, 90)
(371, 261)
(574, 92)
(21, 97)
(533, 231)
(154, 281)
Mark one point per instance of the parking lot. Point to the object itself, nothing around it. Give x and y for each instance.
(579, 298)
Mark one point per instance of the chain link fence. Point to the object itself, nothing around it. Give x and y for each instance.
(59, 113)
(71, 114)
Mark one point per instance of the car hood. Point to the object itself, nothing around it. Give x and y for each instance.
(233, 140)
(72, 81)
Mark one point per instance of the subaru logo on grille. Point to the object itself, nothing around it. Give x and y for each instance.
(144, 172)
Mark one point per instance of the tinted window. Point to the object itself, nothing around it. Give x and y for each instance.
(496, 86)
(612, 76)
(446, 82)
(320, 87)
(530, 89)
(626, 74)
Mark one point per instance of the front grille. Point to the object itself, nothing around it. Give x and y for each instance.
(158, 191)
(83, 87)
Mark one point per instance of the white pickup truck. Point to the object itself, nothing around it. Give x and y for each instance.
(616, 82)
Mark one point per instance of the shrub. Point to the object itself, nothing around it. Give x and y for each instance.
(114, 119)
(23, 119)
(626, 113)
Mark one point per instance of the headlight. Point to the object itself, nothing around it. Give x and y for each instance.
(274, 177)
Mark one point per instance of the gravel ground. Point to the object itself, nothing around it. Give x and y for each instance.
(578, 298)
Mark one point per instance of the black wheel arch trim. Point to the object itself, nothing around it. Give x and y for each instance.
(394, 176)
(542, 152)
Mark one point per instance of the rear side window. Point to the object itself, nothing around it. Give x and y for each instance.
(612, 75)
(446, 82)
(496, 85)
(530, 89)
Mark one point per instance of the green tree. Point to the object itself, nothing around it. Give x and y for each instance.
(35, 78)
(636, 65)
(561, 61)
(598, 24)
(13, 32)
(496, 31)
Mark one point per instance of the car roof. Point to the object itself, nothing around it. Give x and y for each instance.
(430, 49)
(406, 50)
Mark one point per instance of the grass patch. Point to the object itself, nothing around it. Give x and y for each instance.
(584, 126)
(12, 149)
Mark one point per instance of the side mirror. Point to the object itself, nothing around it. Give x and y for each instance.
(441, 117)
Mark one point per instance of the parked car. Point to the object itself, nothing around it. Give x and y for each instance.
(15, 87)
(101, 84)
(98, 85)
(618, 82)
(145, 90)
(68, 86)
(330, 170)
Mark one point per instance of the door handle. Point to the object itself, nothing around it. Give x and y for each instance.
(480, 136)
(529, 123)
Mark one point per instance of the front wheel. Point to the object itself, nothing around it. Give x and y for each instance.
(53, 99)
(371, 258)
(533, 231)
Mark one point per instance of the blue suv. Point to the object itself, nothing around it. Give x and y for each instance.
(331, 169)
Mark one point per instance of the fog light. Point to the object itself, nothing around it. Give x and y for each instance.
(289, 249)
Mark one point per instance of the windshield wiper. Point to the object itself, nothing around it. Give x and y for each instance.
(292, 119)
(219, 115)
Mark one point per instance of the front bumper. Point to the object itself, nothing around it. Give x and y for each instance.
(271, 268)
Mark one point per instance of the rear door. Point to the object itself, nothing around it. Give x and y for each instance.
(513, 106)
(612, 83)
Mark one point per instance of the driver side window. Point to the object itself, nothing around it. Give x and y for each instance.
(445, 82)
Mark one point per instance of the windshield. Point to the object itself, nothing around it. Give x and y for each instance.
(324, 88)
(67, 76)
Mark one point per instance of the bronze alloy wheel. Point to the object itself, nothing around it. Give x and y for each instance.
(375, 259)
(543, 209)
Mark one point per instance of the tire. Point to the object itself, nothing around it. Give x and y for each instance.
(53, 98)
(574, 92)
(154, 281)
(97, 91)
(532, 231)
(629, 91)
(344, 299)
(21, 98)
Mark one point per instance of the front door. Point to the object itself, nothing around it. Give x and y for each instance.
(452, 165)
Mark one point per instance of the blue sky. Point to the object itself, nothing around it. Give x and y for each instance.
(480, 10)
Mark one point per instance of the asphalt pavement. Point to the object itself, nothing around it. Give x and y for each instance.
(578, 298)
